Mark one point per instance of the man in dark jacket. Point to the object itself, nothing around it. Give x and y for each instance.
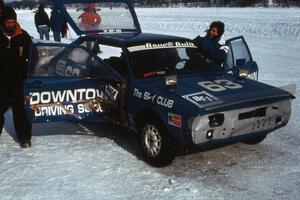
(213, 45)
(57, 24)
(42, 23)
(15, 44)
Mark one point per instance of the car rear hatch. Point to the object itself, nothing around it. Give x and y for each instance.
(90, 17)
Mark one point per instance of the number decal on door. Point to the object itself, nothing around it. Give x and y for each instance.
(219, 85)
(72, 71)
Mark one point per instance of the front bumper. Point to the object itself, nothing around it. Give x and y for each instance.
(240, 122)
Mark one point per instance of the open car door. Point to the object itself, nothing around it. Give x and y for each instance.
(89, 17)
(67, 82)
(240, 59)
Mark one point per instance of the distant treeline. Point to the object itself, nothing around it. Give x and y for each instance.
(187, 3)
(216, 3)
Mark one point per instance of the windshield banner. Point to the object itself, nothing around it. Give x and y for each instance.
(162, 45)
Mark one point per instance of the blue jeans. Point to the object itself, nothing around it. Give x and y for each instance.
(56, 36)
(44, 31)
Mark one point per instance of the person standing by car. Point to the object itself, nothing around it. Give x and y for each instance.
(90, 19)
(213, 44)
(58, 24)
(15, 44)
(42, 23)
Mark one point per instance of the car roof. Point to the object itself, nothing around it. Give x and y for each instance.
(129, 39)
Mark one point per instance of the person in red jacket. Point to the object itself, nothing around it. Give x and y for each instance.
(90, 19)
(15, 44)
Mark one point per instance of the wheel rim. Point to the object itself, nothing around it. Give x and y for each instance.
(151, 140)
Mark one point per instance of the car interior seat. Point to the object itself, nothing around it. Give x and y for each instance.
(117, 63)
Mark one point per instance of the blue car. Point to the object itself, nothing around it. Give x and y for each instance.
(157, 85)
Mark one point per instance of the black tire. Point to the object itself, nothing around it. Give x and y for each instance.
(157, 145)
(254, 141)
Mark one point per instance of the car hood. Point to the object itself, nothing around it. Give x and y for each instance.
(212, 91)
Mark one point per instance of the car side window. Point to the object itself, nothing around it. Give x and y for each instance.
(240, 51)
(112, 56)
(40, 59)
(60, 61)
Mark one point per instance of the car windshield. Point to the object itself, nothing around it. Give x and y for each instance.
(156, 62)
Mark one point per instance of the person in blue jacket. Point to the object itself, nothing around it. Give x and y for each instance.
(212, 44)
(57, 24)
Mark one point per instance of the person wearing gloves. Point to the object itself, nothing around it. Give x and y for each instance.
(15, 44)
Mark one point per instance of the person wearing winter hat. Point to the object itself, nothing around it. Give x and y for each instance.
(90, 19)
(212, 44)
(15, 44)
(42, 23)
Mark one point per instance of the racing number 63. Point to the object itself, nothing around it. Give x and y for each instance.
(219, 85)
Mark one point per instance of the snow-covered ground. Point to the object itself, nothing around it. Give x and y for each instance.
(98, 161)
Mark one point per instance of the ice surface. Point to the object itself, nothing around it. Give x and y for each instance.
(98, 161)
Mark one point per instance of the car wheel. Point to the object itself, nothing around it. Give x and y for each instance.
(256, 140)
(156, 143)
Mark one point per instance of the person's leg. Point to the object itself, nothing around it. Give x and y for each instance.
(47, 30)
(43, 32)
(40, 31)
(56, 36)
(3, 109)
(3, 106)
(21, 123)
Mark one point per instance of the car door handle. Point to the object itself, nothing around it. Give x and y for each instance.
(35, 84)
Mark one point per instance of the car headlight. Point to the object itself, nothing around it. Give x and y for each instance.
(216, 120)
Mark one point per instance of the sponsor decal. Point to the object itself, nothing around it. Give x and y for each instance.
(154, 73)
(149, 45)
(202, 99)
(112, 31)
(63, 70)
(111, 92)
(174, 120)
(153, 98)
(66, 102)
